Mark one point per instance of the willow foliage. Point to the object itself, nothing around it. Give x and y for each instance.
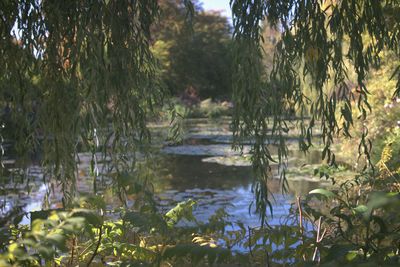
(78, 72)
(312, 51)
(81, 72)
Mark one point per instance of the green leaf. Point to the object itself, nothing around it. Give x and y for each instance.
(382, 199)
(360, 209)
(184, 210)
(337, 252)
(322, 193)
(196, 252)
(90, 216)
(74, 224)
(46, 252)
(3, 263)
(57, 240)
(351, 255)
(145, 221)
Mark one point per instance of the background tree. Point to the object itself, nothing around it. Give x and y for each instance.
(196, 55)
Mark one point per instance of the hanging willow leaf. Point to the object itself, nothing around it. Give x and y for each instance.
(72, 72)
(310, 56)
(70, 67)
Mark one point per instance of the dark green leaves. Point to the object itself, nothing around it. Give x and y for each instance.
(309, 75)
(197, 253)
(72, 69)
(322, 193)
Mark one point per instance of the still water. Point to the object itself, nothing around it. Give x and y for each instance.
(214, 186)
(203, 168)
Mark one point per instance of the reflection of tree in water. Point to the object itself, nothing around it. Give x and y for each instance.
(183, 172)
(187, 172)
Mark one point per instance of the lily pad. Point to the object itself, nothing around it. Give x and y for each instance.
(202, 150)
(230, 161)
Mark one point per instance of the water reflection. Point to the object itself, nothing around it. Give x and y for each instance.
(214, 186)
(186, 171)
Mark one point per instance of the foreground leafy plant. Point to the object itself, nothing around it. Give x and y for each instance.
(83, 236)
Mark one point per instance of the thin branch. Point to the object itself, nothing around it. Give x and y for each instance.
(318, 239)
(301, 222)
(97, 246)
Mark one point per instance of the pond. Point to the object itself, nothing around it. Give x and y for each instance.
(203, 168)
(214, 186)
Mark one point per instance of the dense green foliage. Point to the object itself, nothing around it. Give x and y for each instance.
(382, 123)
(193, 55)
(72, 69)
(311, 51)
(346, 226)
(87, 75)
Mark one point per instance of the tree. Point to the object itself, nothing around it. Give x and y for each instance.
(202, 59)
(312, 34)
(196, 55)
(81, 67)
(87, 65)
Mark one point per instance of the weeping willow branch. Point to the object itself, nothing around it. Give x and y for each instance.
(310, 55)
(69, 67)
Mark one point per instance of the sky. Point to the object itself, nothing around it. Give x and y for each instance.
(222, 5)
